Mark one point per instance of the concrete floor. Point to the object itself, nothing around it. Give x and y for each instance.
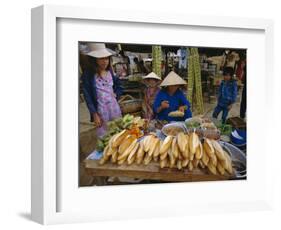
(234, 112)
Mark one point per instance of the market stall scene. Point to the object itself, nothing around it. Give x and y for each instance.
(159, 114)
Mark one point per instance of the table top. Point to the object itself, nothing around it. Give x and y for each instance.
(151, 171)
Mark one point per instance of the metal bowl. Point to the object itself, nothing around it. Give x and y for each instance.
(238, 160)
(173, 129)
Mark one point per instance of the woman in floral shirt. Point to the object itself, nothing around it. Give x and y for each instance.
(101, 88)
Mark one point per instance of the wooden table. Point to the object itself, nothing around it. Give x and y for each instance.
(151, 172)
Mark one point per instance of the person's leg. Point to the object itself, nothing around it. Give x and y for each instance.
(217, 111)
(104, 115)
(224, 114)
(243, 103)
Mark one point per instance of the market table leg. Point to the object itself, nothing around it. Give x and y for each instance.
(99, 181)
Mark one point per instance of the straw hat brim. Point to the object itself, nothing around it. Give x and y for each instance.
(153, 76)
(101, 53)
(164, 85)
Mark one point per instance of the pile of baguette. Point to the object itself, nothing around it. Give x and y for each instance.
(184, 151)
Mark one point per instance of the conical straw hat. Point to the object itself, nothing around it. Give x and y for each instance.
(173, 79)
(151, 75)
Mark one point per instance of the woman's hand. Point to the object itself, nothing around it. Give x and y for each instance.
(165, 105)
(97, 120)
(182, 108)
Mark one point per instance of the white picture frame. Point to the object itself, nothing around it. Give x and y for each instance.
(57, 200)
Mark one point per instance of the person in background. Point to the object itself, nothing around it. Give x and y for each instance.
(151, 82)
(83, 57)
(170, 98)
(101, 88)
(140, 66)
(240, 71)
(227, 94)
(232, 60)
(244, 93)
(126, 65)
(122, 54)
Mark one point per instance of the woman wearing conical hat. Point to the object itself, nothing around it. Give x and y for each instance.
(170, 99)
(151, 82)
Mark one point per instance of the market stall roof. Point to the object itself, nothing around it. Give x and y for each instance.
(131, 47)
(218, 51)
(138, 48)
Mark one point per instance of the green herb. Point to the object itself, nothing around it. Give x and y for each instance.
(225, 129)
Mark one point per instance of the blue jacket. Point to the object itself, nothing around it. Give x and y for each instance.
(90, 92)
(176, 100)
(227, 93)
